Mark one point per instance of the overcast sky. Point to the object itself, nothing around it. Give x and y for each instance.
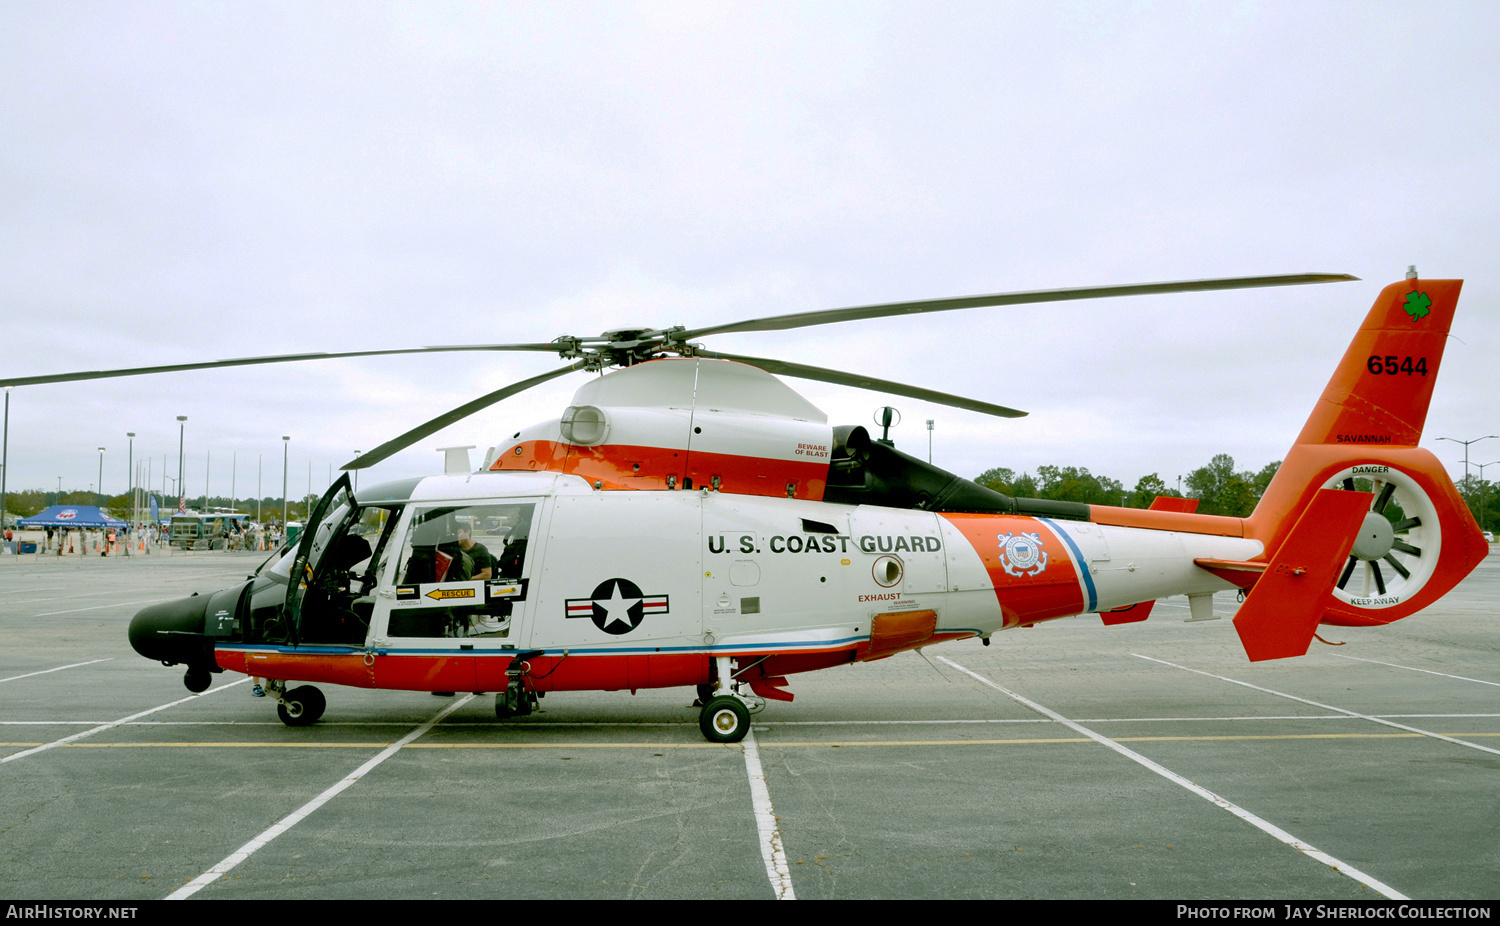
(184, 182)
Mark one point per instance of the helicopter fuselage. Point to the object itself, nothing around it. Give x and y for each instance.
(629, 590)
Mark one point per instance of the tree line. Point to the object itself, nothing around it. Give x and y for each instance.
(1218, 486)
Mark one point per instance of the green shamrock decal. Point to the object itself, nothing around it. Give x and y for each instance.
(1416, 305)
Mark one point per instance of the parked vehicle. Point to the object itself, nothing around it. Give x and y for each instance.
(212, 529)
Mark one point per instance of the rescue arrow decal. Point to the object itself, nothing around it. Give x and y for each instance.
(439, 594)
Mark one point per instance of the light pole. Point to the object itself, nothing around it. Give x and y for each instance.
(181, 429)
(4, 459)
(1482, 492)
(929, 440)
(130, 472)
(356, 472)
(286, 442)
(1466, 444)
(101, 471)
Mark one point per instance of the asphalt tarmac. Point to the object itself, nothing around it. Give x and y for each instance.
(1068, 760)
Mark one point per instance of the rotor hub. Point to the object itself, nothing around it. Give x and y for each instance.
(1376, 537)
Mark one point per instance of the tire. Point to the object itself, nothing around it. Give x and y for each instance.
(724, 719)
(512, 703)
(301, 707)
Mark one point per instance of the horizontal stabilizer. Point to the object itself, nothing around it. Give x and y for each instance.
(1283, 610)
(1243, 573)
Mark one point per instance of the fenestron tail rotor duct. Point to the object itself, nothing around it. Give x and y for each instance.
(1399, 543)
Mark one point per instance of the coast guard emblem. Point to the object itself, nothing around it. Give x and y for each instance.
(1021, 554)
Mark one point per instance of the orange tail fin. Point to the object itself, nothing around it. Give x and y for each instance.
(1379, 394)
(1418, 539)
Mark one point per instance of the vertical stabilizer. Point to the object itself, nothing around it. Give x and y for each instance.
(1417, 539)
(1379, 394)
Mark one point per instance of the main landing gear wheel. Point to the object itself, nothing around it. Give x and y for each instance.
(301, 707)
(724, 719)
(1398, 544)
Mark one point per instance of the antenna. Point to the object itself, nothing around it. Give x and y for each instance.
(885, 416)
(456, 459)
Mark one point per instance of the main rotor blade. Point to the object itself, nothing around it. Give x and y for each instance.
(828, 316)
(869, 382)
(397, 444)
(251, 361)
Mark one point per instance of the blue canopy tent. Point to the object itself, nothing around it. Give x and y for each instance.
(70, 516)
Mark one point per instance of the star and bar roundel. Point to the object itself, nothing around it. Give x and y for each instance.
(617, 606)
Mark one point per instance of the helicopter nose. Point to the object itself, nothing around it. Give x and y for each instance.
(170, 631)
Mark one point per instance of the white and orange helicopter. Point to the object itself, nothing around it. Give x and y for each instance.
(691, 521)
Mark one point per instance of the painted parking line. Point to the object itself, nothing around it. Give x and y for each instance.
(113, 723)
(771, 850)
(1043, 720)
(58, 598)
(1415, 669)
(1328, 707)
(779, 744)
(1264, 826)
(117, 604)
(58, 669)
(763, 725)
(301, 813)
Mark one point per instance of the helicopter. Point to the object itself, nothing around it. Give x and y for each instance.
(691, 521)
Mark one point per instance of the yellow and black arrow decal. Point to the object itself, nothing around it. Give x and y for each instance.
(442, 594)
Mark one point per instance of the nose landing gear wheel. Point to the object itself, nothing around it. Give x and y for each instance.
(724, 719)
(514, 702)
(301, 707)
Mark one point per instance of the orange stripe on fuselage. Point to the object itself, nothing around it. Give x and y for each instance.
(1026, 595)
(623, 466)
